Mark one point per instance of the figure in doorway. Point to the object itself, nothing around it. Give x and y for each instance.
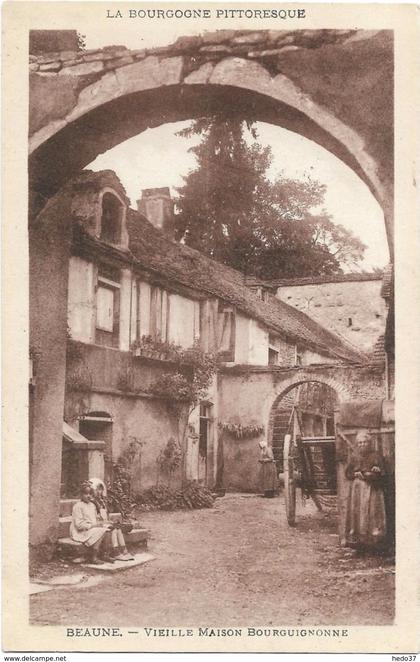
(366, 516)
(268, 473)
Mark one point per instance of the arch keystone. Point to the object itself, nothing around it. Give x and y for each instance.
(241, 73)
(149, 73)
(201, 75)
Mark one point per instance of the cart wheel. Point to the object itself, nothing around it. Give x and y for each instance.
(289, 479)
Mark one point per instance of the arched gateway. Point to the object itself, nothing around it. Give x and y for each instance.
(333, 87)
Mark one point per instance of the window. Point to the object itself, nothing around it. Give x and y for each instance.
(107, 308)
(298, 355)
(261, 292)
(112, 211)
(159, 314)
(349, 322)
(273, 350)
(227, 330)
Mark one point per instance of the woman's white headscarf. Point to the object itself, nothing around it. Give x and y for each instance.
(97, 482)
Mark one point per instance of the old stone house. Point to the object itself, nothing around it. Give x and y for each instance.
(104, 277)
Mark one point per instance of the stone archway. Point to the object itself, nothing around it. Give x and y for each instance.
(83, 106)
(314, 401)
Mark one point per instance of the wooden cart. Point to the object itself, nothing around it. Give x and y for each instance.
(316, 465)
(308, 464)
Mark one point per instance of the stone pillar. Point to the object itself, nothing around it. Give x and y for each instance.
(49, 250)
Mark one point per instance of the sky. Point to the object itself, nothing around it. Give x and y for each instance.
(158, 157)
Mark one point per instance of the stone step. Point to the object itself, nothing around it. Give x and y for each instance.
(136, 538)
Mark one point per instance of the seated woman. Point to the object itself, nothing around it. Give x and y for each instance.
(366, 525)
(119, 548)
(86, 528)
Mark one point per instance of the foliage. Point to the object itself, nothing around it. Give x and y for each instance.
(162, 497)
(242, 431)
(158, 349)
(229, 210)
(187, 389)
(170, 458)
(119, 493)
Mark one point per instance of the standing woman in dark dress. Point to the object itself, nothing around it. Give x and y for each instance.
(366, 519)
(268, 474)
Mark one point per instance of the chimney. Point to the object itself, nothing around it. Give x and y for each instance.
(158, 207)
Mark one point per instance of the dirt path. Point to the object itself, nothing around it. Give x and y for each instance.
(236, 564)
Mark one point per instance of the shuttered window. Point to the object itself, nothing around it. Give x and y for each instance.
(227, 329)
(105, 309)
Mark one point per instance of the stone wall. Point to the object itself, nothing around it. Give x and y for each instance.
(353, 309)
(107, 380)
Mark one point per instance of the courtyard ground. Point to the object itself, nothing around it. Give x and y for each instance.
(236, 564)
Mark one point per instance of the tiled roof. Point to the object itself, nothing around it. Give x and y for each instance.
(152, 250)
(379, 352)
(387, 282)
(189, 267)
(333, 278)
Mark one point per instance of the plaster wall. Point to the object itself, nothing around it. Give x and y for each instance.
(239, 402)
(313, 358)
(353, 309)
(184, 320)
(81, 299)
(242, 338)
(258, 344)
(148, 421)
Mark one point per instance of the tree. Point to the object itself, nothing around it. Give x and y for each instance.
(229, 210)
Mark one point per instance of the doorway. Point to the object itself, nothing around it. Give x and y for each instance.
(204, 441)
(97, 426)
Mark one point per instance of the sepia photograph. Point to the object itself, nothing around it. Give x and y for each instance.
(211, 340)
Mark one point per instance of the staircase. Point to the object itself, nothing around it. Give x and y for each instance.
(136, 539)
